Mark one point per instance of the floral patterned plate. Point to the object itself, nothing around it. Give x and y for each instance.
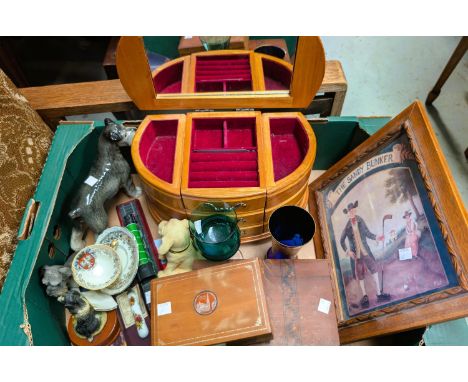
(124, 243)
(96, 267)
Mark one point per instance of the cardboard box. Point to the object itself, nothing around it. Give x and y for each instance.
(29, 316)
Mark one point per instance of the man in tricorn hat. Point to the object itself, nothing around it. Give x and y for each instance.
(361, 256)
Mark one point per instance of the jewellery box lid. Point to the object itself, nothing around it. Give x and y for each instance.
(138, 80)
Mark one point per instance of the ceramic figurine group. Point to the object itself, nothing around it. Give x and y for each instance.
(86, 283)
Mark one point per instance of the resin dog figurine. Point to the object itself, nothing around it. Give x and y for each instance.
(109, 173)
(88, 321)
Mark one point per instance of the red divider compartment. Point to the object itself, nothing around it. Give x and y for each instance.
(169, 80)
(157, 148)
(223, 153)
(222, 73)
(289, 145)
(277, 76)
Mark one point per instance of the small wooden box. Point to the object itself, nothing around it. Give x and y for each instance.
(210, 306)
(295, 290)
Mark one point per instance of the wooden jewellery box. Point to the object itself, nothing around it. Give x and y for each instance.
(255, 162)
(226, 79)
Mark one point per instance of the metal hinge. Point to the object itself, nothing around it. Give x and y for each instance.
(316, 120)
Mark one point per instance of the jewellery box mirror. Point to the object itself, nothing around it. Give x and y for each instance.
(221, 79)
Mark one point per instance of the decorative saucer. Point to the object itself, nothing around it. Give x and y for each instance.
(124, 243)
(96, 267)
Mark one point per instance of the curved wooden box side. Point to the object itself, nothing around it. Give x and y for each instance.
(280, 191)
(155, 188)
(253, 197)
(299, 199)
(159, 211)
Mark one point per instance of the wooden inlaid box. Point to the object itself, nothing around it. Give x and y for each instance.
(214, 305)
(253, 161)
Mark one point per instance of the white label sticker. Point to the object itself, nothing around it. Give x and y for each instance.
(187, 37)
(324, 306)
(91, 181)
(197, 225)
(164, 308)
(405, 253)
(148, 297)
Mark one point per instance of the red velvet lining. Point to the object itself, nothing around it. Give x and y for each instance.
(169, 80)
(223, 73)
(277, 77)
(238, 157)
(222, 184)
(157, 148)
(289, 145)
(233, 165)
(223, 153)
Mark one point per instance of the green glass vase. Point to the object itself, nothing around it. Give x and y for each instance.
(215, 231)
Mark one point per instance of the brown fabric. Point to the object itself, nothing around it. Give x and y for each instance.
(24, 144)
(293, 291)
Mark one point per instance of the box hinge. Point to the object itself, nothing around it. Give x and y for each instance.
(203, 110)
(245, 109)
(316, 120)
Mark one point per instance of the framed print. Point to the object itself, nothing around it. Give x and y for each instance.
(394, 227)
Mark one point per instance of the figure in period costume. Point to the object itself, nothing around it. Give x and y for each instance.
(357, 233)
(412, 234)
